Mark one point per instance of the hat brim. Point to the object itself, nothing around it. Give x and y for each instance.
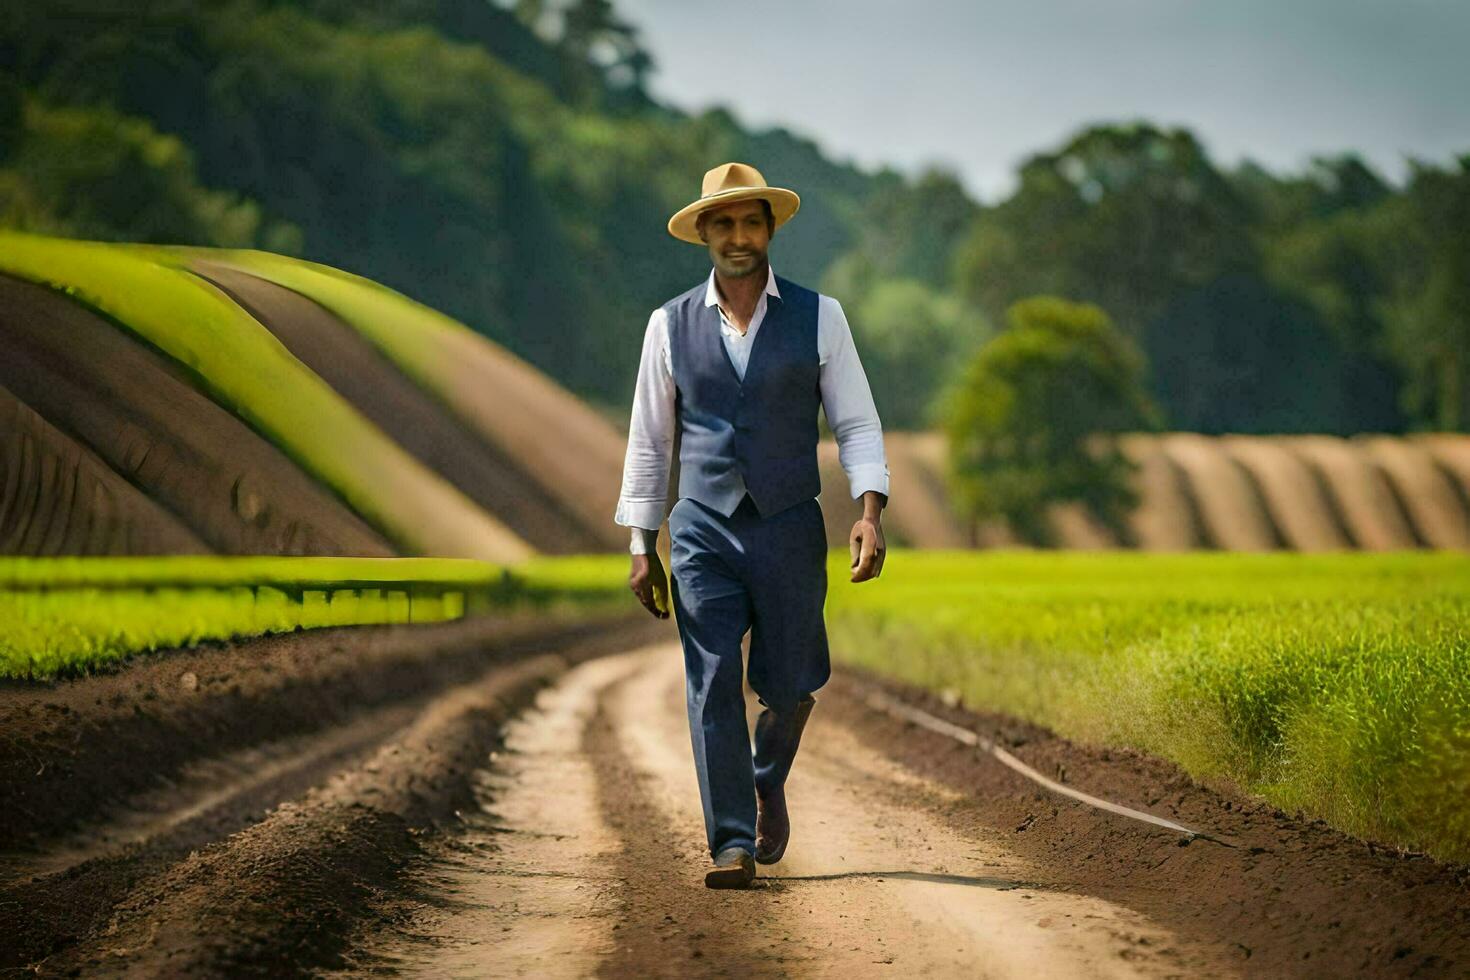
(784, 204)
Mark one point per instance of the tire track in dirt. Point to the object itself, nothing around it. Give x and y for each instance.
(589, 857)
(528, 888)
(871, 879)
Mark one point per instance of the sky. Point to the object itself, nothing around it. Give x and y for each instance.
(976, 86)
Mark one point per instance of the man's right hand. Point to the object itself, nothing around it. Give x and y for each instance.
(649, 584)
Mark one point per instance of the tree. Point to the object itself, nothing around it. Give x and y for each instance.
(94, 173)
(1342, 263)
(1428, 318)
(1030, 422)
(912, 341)
(1126, 216)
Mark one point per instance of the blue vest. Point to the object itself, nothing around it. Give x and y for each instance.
(759, 434)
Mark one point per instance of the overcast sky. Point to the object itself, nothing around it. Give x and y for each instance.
(977, 85)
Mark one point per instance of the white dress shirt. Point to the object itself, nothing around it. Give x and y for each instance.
(846, 400)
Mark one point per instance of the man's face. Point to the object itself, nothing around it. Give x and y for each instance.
(738, 236)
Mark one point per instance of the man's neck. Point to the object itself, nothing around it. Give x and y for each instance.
(740, 296)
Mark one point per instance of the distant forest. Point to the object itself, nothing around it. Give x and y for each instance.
(505, 164)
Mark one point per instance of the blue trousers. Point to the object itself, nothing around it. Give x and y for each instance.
(729, 575)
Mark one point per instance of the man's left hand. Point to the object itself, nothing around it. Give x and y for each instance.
(866, 545)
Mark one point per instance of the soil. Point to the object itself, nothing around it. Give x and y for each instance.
(113, 780)
(145, 420)
(72, 747)
(1298, 506)
(1233, 514)
(58, 498)
(1369, 509)
(1291, 897)
(910, 852)
(1427, 493)
(410, 416)
(433, 834)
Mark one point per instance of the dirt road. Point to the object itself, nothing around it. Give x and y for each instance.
(588, 856)
(513, 803)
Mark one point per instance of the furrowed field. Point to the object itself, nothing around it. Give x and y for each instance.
(1336, 684)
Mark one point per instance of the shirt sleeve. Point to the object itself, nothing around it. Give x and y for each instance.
(848, 403)
(650, 435)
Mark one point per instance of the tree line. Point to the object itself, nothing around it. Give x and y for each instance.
(504, 163)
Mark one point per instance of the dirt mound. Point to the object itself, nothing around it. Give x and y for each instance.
(1429, 499)
(1230, 507)
(572, 453)
(1074, 526)
(412, 417)
(57, 498)
(929, 456)
(1451, 454)
(1300, 510)
(1371, 513)
(1167, 517)
(142, 417)
(921, 509)
(1237, 493)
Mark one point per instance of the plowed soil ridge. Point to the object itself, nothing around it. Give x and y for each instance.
(71, 748)
(131, 407)
(571, 452)
(1236, 493)
(58, 498)
(410, 416)
(1300, 510)
(302, 713)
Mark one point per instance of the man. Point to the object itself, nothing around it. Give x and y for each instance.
(737, 367)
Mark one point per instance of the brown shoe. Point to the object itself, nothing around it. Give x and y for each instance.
(734, 868)
(772, 827)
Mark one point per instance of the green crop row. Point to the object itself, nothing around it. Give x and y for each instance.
(1338, 684)
(61, 616)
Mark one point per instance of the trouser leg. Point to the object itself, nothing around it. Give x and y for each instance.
(712, 611)
(788, 645)
(777, 736)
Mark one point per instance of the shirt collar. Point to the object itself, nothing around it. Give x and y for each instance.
(712, 291)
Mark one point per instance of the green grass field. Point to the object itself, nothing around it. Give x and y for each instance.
(1338, 685)
(242, 366)
(63, 616)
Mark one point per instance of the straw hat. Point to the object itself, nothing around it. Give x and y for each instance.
(726, 184)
